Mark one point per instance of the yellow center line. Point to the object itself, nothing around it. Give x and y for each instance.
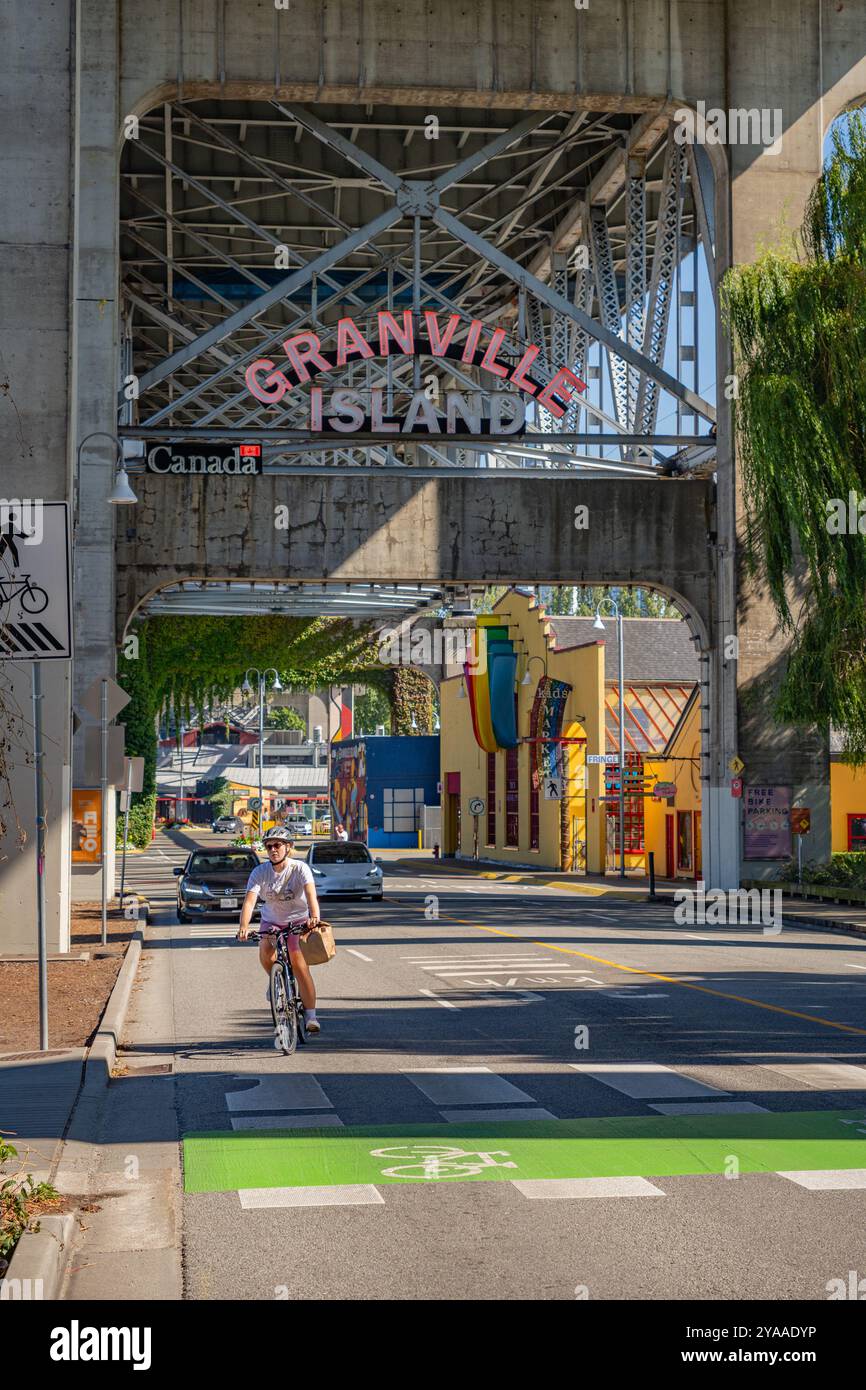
(650, 974)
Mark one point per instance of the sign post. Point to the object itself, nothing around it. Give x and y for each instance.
(133, 782)
(38, 755)
(801, 824)
(103, 699)
(36, 626)
(476, 807)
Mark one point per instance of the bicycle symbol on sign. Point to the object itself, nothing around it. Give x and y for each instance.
(435, 1161)
(31, 597)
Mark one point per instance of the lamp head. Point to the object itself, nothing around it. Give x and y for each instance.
(598, 624)
(121, 495)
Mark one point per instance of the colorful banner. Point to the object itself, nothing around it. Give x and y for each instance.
(86, 827)
(545, 723)
(490, 676)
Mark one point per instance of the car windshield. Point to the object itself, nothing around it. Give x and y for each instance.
(341, 854)
(240, 862)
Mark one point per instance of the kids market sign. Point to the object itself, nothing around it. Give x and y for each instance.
(347, 411)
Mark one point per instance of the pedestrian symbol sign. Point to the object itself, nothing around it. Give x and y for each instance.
(35, 584)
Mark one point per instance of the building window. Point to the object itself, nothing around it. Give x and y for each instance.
(512, 792)
(684, 841)
(533, 817)
(857, 834)
(491, 798)
(401, 809)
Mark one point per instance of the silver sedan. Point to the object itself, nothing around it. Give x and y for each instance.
(345, 868)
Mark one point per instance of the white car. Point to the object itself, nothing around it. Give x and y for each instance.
(298, 825)
(345, 867)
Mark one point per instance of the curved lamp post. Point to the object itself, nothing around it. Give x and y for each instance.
(262, 678)
(599, 625)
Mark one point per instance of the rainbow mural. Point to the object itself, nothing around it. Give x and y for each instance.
(490, 678)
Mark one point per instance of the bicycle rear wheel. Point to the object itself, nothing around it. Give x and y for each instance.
(283, 1011)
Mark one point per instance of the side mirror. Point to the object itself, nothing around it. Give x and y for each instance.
(178, 873)
(377, 861)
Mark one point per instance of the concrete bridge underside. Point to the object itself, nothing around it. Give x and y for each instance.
(72, 80)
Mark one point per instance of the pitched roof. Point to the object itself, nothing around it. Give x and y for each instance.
(654, 649)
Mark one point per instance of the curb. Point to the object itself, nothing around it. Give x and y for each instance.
(102, 1053)
(492, 870)
(40, 1257)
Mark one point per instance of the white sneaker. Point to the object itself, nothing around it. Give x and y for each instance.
(312, 1025)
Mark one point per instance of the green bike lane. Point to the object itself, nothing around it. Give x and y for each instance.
(753, 1013)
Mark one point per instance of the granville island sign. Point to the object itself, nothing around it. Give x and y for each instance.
(347, 411)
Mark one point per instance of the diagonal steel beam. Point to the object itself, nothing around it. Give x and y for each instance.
(328, 136)
(609, 306)
(489, 151)
(283, 289)
(520, 275)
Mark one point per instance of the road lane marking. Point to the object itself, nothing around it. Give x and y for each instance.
(359, 954)
(710, 1107)
(444, 1002)
(827, 1180)
(853, 966)
(352, 1195)
(283, 1092)
(554, 1189)
(308, 1121)
(654, 975)
(510, 1113)
(645, 1080)
(464, 1086)
(822, 1075)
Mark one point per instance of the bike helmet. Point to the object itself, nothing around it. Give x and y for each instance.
(279, 832)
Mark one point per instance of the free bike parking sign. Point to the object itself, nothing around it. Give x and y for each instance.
(35, 581)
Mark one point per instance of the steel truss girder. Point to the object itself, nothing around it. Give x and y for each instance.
(609, 307)
(556, 302)
(665, 259)
(635, 273)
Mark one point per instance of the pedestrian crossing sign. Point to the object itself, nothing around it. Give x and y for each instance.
(35, 581)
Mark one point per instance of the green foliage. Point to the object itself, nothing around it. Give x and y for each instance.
(18, 1195)
(412, 698)
(217, 791)
(842, 871)
(283, 717)
(798, 322)
(372, 709)
(141, 817)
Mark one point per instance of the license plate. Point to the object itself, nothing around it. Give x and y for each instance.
(228, 902)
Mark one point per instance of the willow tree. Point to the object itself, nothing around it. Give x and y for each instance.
(798, 323)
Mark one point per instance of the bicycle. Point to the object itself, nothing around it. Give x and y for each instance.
(31, 597)
(287, 1007)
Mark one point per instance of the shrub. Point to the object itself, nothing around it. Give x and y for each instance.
(19, 1196)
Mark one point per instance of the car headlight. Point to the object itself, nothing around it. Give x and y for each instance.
(194, 890)
(318, 873)
(374, 872)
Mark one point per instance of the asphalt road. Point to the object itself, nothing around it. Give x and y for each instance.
(577, 1098)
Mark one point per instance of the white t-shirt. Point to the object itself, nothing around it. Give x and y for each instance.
(282, 894)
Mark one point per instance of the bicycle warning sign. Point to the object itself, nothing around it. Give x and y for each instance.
(35, 581)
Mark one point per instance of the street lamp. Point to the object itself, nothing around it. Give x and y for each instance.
(262, 678)
(180, 805)
(599, 626)
(121, 493)
(527, 678)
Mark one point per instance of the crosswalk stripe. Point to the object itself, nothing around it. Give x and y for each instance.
(645, 1080)
(454, 1086)
(827, 1179)
(547, 1189)
(352, 1195)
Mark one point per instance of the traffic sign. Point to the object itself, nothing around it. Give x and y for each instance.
(116, 770)
(736, 765)
(92, 701)
(35, 581)
(552, 788)
(476, 806)
(801, 820)
(254, 803)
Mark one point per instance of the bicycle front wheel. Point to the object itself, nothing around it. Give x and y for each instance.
(33, 599)
(283, 1011)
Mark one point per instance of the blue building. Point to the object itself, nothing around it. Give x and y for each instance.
(379, 784)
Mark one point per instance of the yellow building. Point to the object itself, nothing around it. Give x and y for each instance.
(499, 806)
(847, 804)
